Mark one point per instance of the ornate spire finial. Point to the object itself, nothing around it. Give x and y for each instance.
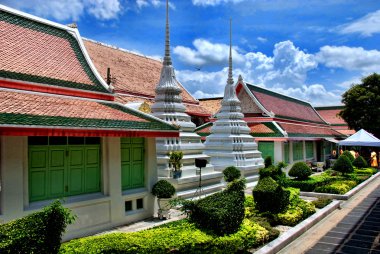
(167, 58)
(230, 80)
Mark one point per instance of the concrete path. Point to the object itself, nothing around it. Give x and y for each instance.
(355, 228)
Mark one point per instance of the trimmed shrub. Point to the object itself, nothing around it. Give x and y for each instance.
(365, 171)
(308, 185)
(269, 196)
(231, 173)
(343, 165)
(39, 232)
(334, 188)
(222, 212)
(268, 161)
(360, 162)
(175, 237)
(348, 155)
(163, 189)
(321, 202)
(300, 170)
(267, 171)
(290, 217)
(273, 171)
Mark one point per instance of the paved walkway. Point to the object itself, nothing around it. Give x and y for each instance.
(355, 228)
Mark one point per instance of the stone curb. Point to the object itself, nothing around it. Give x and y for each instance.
(290, 235)
(346, 196)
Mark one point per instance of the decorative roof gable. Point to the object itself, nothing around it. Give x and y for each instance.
(40, 51)
(284, 106)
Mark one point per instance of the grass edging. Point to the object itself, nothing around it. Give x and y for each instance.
(346, 196)
(289, 236)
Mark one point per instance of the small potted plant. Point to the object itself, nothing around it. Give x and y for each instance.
(175, 158)
(164, 191)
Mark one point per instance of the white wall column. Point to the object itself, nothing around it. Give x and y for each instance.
(278, 151)
(12, 176)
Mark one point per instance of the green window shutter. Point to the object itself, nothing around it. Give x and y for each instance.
(132, 163)
(38, 173)
(309, 149)
(286, 152)
(57, 171)
(297, 150)
(266, 148)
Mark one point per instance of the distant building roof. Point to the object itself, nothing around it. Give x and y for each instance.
(211, 104)
(330, 114)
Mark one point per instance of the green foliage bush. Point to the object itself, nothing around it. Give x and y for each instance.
(163, 189)
(273, 171)
(175, 237)
(339, 187)
(360, 162)
(310, 184)
(348, 155)
(39, 232)
(267, 171)
(268, 161)
(343, 165)
(365, 171)
(269, 196)
(300, 170)
(321, 202)
(231, 173)
(222, 212)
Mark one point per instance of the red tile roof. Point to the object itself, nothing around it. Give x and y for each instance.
(331, 115)
(133, 73)
(299, 130)
(36, 52)
(284, 106)
(260, 128)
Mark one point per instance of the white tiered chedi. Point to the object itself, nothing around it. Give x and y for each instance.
(168, 107)
(230, 142)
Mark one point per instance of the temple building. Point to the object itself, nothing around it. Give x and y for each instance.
(286, 128)
(64, 134)
(331, 115)
(230, 142)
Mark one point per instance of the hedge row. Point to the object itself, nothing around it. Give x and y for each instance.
(180, 237)
(309, 184)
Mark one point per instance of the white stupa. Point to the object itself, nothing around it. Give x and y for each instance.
(168, 107)
(230, 142)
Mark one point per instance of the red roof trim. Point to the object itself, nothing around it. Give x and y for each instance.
(55, 90)
(19, 131)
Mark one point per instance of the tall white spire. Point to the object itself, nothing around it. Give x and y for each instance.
(230, 142)
(168, 106)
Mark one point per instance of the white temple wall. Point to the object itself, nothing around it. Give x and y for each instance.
(96, 211)
(278, 152)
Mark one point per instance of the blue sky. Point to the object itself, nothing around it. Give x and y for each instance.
(312, 50)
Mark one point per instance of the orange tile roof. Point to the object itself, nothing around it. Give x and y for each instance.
(133, 73)
(35, 52)
(42, 105)
(284, 106)
(212, 104)
(259, 128)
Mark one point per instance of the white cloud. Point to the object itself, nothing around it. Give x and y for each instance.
(69, 10)
(206, 53)
(262, 39)
(350, 58)
(142, 3)
(213, 2)
(155, 3)
(366, 26)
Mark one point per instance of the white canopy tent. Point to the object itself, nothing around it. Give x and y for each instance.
(361, 138)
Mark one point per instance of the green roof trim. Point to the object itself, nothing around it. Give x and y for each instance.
(298, 119)
(75, 122)
(268, 92)
(203, 126)
(55, 31)
(329, 107)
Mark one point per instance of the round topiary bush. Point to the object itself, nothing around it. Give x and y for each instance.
(269, 196)
(268, 162)
(231, 173)
(300, 170)
(343, 165)
(163, 189)
(360, 162)
(348, 155)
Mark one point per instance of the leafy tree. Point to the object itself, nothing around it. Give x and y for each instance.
(362, 105)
